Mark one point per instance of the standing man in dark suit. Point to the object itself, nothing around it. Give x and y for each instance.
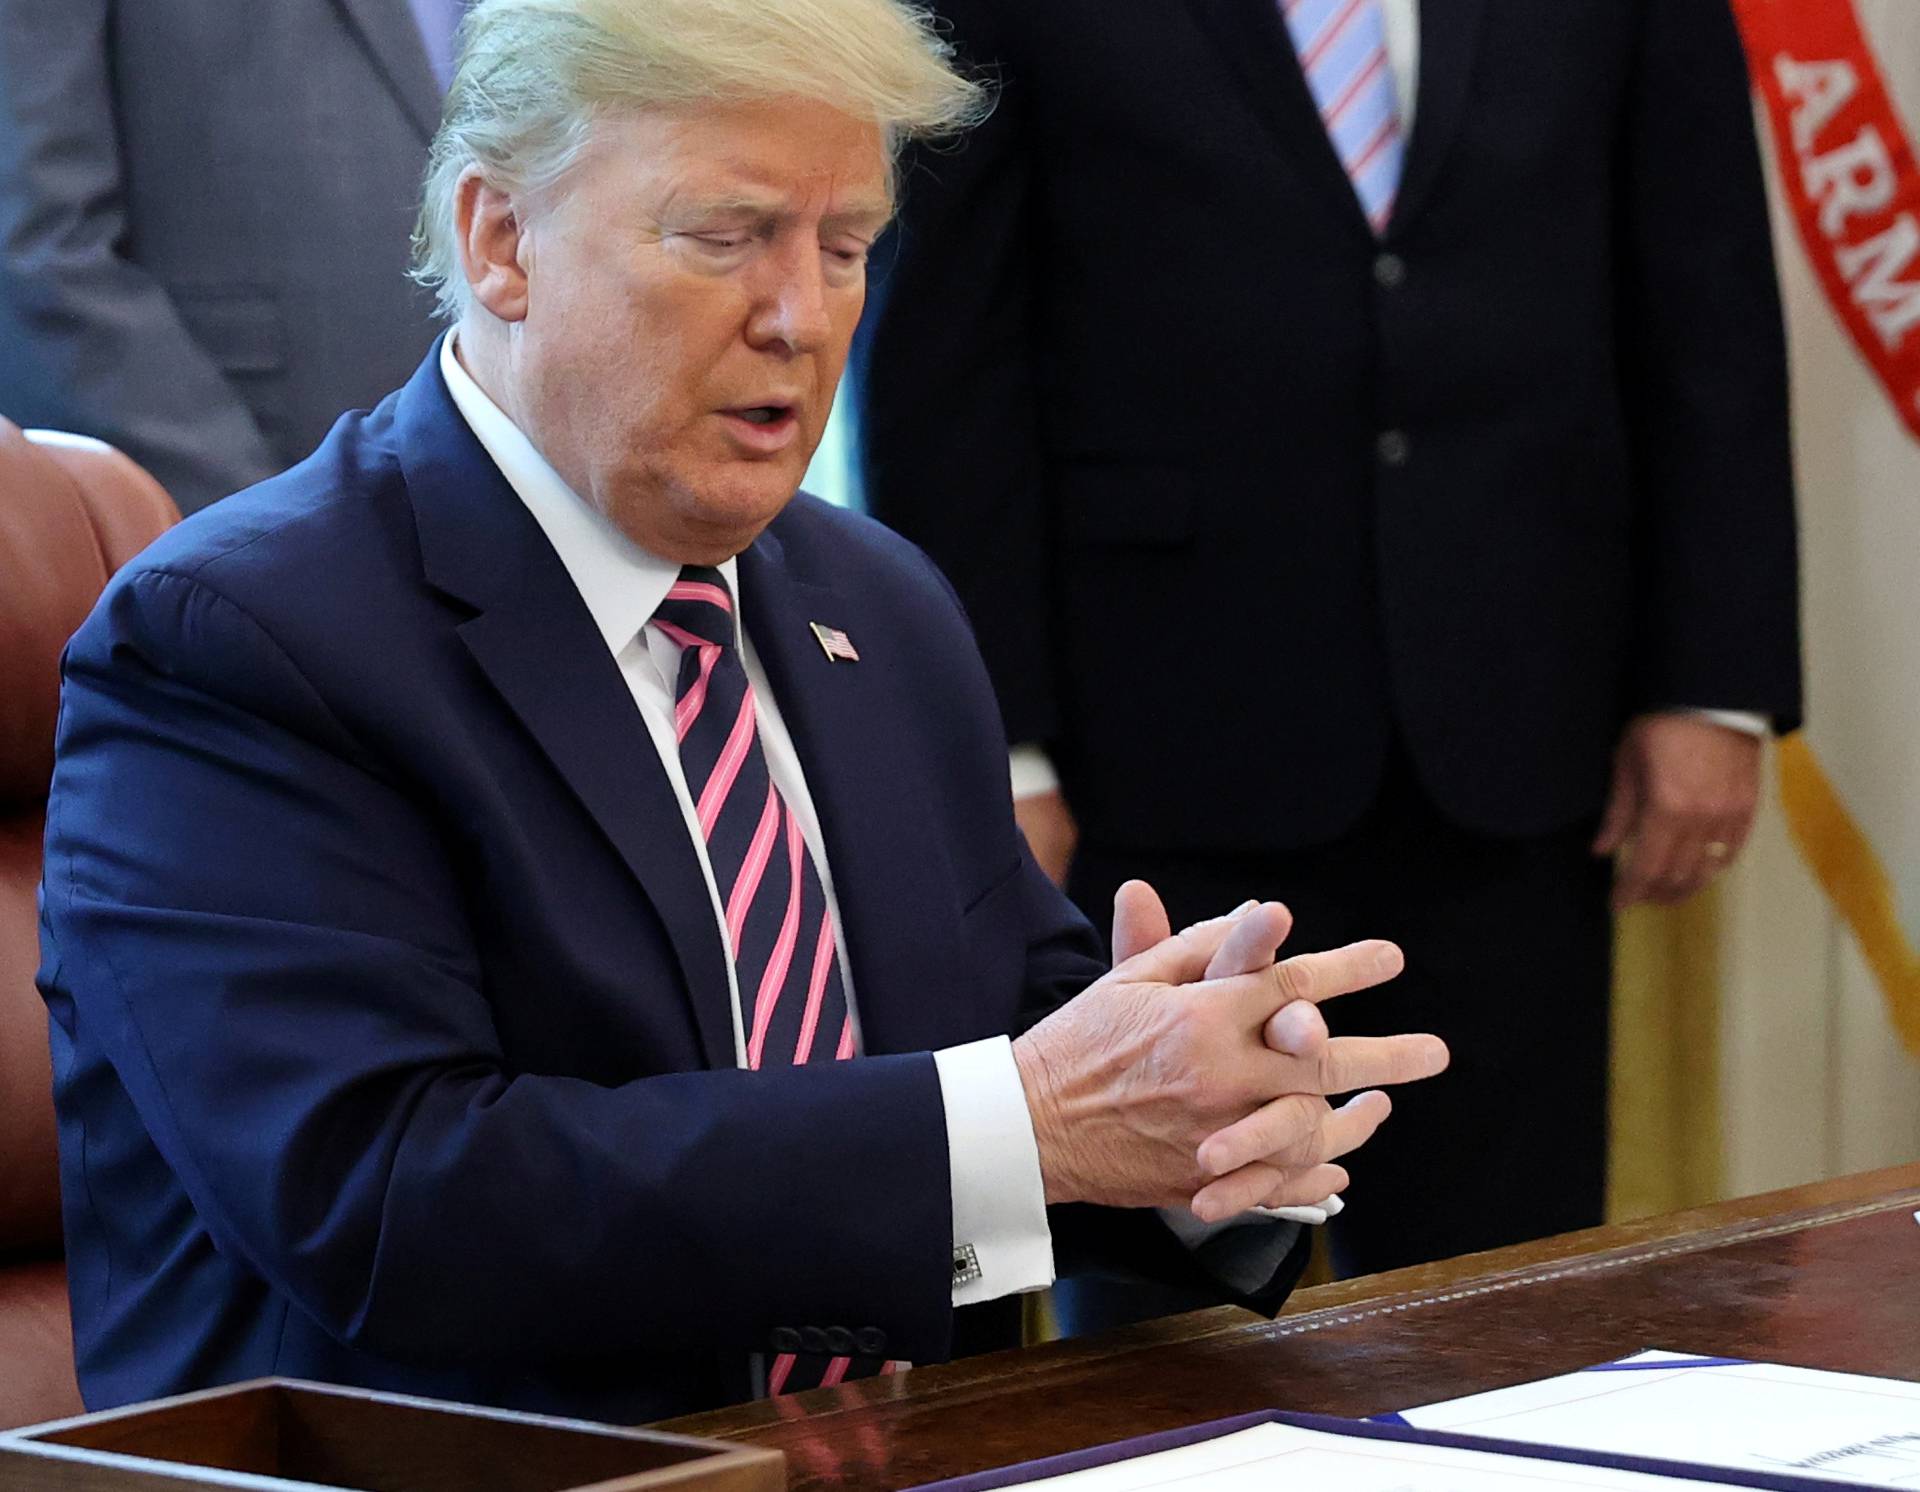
(532, 910)
(1357, 429)
(190, 193)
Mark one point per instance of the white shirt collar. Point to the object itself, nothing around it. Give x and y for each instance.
(622, 584)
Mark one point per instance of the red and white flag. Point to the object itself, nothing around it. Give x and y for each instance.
(1840, 80)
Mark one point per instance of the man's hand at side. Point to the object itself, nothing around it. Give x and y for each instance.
(1156, 1086)
(1051, 832)
(1683, 799)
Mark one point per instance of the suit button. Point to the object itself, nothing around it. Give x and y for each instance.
(840, 1341)
(870, 1341)
(1394, 448)
(1390, 271)
(813, 1339)
(784, 1339)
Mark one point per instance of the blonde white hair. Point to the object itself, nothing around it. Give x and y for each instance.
(533, 75)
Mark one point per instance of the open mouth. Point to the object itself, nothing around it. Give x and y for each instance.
(764, 429)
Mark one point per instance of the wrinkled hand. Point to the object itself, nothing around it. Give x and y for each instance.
(1051, 832)
(1298, 1029)
(1304, 1130)
(1683, 800)
(1157, 1082)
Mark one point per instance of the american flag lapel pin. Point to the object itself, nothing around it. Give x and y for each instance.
(834, 643)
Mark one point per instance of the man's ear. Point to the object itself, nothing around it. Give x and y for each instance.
(487, 232)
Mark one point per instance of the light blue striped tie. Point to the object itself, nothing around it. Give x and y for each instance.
(1343, 50)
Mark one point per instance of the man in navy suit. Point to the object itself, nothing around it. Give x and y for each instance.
(534, 912)
(1396, 388)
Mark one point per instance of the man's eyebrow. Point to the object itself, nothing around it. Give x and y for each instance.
(873, 214)
(701, 204)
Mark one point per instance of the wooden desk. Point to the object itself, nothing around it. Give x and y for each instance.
(1824, 1276)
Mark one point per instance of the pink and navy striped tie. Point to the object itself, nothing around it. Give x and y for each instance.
(1343, 51)
(793, 1003)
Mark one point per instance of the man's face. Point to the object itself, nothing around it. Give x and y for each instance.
(692, 288)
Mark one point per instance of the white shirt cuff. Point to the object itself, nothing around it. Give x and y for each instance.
(1032, 771)
(1001, 1242)
(1744, 721)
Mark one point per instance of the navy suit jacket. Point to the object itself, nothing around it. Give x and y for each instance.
(390, 1019)
(1147, 387)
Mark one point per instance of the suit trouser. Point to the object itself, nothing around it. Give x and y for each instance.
(1509, 958)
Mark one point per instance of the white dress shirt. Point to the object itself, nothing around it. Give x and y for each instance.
(999, 1203)
(1402, 19)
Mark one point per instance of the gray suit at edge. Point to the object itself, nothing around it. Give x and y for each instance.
(204, 214)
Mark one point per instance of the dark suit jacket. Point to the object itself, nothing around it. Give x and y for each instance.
(391, 1035)
(1234, 491)
(204, 217)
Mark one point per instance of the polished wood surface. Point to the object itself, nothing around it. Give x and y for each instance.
(284, 1433)
(1822, 1276)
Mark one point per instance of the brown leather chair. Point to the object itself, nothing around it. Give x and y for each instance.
(71, 512)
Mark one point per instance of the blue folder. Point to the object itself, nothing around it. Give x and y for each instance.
(1146, 1445)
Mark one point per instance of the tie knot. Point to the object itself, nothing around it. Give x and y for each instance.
(698, 608)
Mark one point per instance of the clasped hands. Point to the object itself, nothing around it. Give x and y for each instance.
(1198, 1072)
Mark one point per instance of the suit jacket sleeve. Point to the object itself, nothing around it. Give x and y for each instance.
(1704, 374)
(265, 932)
(951, 440)
(88, 341)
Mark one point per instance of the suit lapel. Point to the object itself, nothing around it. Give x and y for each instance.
(1253, 43)
(536, 642)
(1449, 34)
(891, 875)
(386, 31)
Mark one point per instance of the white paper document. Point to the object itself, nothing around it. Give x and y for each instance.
(1269, 1458)
(1711, 1412)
